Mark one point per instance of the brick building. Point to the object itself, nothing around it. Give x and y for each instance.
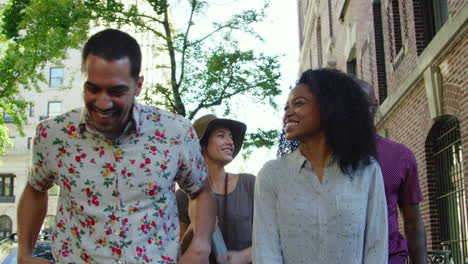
(414, 53)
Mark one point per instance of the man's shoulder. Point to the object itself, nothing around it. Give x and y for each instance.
(58, 127)
(162, 117)
(390, 151)
(70, 118)
(388, 145)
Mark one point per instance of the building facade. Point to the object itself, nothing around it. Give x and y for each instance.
(61, 92)
(414, 53)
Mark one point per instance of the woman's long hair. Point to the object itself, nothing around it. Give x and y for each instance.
(344, 115)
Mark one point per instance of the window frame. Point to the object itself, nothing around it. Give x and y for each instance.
(54, 102)
(10, 197)
(51, 77)
(7, 230)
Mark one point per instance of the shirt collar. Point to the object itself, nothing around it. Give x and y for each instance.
(299, 160)
(133, 126)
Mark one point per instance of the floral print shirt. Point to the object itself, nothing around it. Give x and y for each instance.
(117, 200)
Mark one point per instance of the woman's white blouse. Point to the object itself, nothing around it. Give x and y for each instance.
(297, 219)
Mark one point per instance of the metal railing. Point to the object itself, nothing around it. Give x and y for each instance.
(438, 256)
(451, 189)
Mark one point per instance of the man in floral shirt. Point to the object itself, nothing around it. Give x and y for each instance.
(116, 163)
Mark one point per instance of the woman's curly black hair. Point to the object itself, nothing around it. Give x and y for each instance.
(345, 117)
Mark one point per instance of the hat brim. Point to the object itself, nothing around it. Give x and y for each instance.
(237, 130)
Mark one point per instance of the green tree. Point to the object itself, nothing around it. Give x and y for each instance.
(207, 68)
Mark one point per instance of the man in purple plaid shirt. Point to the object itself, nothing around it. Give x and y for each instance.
(400, 173)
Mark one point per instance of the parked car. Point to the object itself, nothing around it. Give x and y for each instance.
(41, 250)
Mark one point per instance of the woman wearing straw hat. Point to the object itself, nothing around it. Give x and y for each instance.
(221, 141)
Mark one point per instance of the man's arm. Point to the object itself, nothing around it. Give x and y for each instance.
(241, 256)
(415, 233)
(32, 210)
(202, 211)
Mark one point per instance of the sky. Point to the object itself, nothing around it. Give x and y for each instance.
(280, 33)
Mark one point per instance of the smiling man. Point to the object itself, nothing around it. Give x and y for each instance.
(116, 163)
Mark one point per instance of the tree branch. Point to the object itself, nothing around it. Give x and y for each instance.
(145, 16)
(128, 14)
(179, 105)
(185, 46)
(229, 25)
(220, 99)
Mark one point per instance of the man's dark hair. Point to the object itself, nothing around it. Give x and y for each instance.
(345, 117)
(370, 95)
(112, 44)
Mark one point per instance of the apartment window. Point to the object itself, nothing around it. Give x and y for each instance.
(330, 19)
(379, 51)
(56, 77)
(440, 13)
(6, 226)
(54, 108)
(429, 16)
(396, 26)
(31, 111)
(319, 44)
(7, 188)
(29, 142)
(351, 67)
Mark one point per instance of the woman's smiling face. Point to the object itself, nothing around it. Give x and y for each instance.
(301, 118)
(220, 146)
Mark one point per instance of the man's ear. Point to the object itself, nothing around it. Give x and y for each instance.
(139, 85)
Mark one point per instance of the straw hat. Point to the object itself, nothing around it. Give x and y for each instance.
(206, 123)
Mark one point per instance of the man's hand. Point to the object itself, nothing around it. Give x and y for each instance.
(197, 253)
(240, 257)
(33, 260)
